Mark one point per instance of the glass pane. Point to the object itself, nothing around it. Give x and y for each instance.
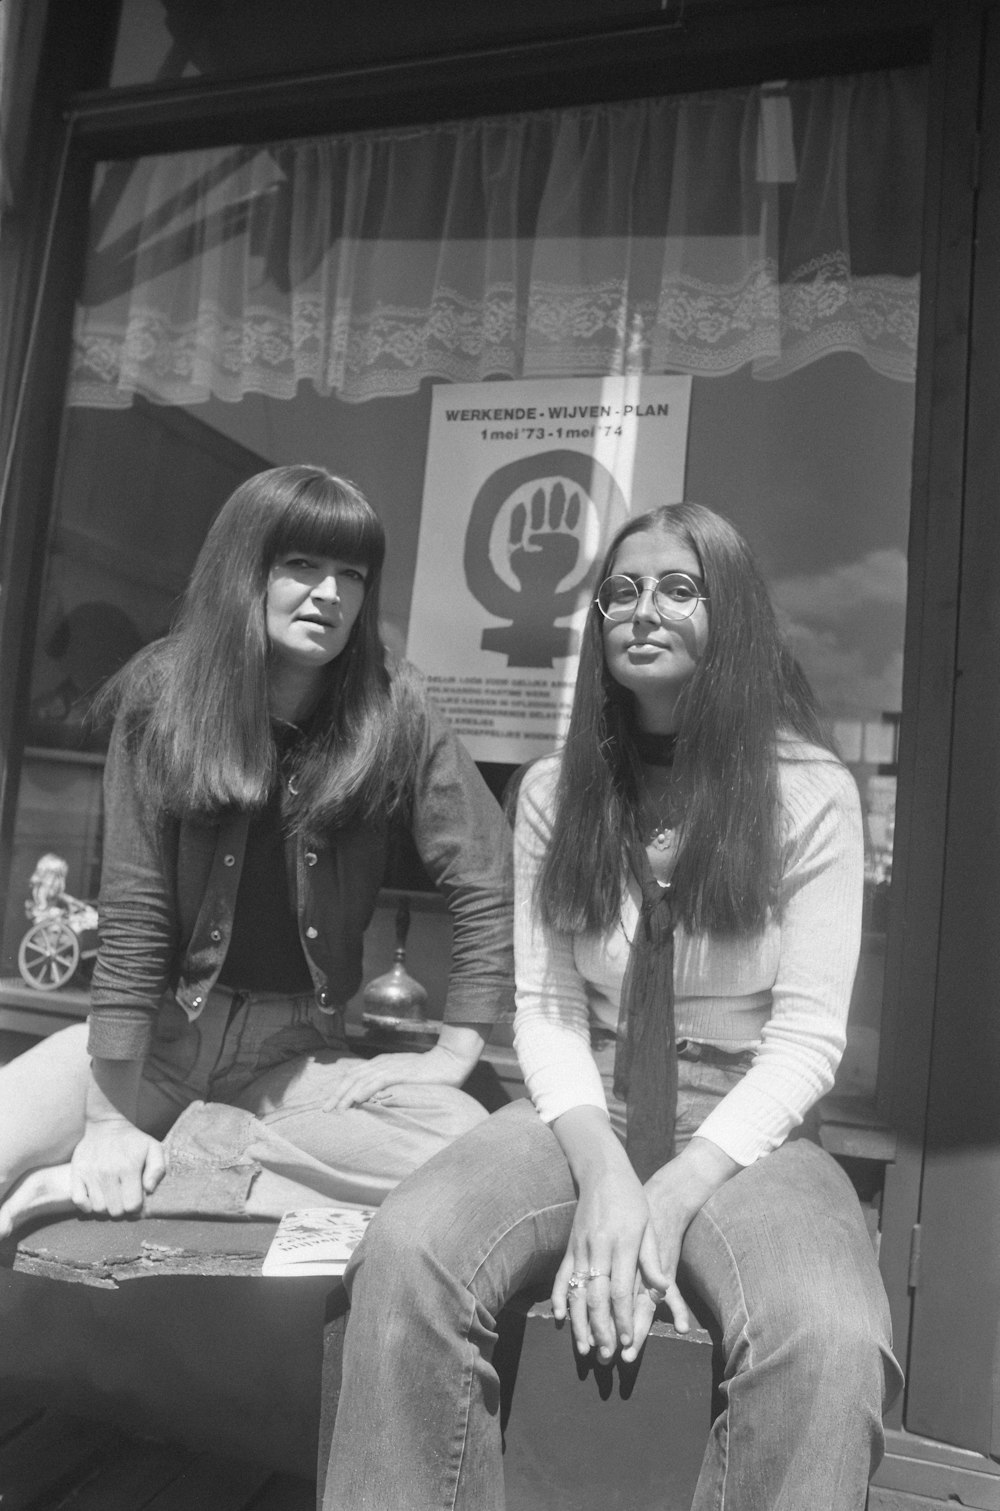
(236, 317)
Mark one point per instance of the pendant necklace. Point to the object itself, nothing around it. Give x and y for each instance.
(661, 850)
(662, 838)
(656, 752)
(662, 832)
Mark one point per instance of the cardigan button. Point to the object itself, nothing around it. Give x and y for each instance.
(311, 857)
(197, 1001)
(216, 935)
(323, 998)
(229, 860)
(312, 933)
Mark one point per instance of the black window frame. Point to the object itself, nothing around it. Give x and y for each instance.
(705, 44)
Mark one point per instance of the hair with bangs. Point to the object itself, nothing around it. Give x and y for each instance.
(746, 692)
(196, 703)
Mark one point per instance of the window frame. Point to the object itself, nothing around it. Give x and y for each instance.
(711, 45)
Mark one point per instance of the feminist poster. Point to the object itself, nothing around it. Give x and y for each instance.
(525, 484)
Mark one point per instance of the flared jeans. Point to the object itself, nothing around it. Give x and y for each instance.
(781, 1255)
(240, 1098)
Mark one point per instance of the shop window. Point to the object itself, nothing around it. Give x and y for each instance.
(313, 300)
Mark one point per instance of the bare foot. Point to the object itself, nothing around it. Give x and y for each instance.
(40, 1193)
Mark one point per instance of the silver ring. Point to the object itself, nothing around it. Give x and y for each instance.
(656, 1295)
(598, 1274)
(577, 1280)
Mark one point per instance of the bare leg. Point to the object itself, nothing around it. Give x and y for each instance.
(43, 1094)
(40, 1193)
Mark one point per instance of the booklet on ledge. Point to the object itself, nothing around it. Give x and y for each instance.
(316, 1240)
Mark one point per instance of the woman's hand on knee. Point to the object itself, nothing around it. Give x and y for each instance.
(114, 1166)
(357, 1081)
(446, 1063)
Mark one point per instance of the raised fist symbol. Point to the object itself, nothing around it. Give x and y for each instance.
(548, 497)
(545, 549)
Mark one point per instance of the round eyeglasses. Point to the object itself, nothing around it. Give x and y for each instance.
(676, 595)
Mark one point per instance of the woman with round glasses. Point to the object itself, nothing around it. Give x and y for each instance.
(676, 595)
(688, 876)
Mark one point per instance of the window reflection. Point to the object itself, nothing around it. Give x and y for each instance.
(245, 307)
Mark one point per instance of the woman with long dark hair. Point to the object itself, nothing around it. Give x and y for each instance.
(262, 756)
(688, 880)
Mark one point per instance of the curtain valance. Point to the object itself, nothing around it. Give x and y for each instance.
(763, 226)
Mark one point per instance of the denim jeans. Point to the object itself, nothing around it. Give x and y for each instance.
(781, 1254)
(238, 1096)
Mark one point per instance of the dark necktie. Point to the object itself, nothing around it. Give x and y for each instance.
(645, 1054)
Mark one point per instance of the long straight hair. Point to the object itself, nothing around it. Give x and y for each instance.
(746, 692)
(196, 703)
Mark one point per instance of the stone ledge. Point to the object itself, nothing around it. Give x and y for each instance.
(101, 1252)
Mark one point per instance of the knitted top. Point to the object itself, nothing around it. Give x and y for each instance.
(784, 992)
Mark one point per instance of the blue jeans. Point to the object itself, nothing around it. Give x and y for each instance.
(781, 1254)
(238, 1096)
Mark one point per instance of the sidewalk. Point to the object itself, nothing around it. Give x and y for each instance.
(53, 1462)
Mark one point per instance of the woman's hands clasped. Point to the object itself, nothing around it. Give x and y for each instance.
(619, 1264)
(614, 1273)
(625, 1245)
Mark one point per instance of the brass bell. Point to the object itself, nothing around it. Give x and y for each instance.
(395, 1002)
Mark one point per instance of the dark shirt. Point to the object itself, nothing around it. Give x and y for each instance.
(265, 952)
(169, 889)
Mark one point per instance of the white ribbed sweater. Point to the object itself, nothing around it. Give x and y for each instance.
(784, 993)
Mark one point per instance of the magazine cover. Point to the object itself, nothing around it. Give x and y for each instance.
(316, 1240)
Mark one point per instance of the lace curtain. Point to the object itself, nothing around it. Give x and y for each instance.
(698, 234)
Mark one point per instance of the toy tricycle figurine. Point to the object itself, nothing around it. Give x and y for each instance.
(63, 930)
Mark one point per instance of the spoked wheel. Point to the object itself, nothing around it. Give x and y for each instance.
(48, 955)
